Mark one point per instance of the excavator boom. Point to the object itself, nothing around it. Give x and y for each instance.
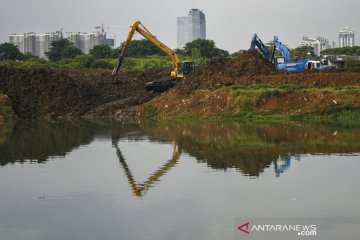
(282, 48)
(286, 64)
(125, 48)
(138, 27)
(256, 42)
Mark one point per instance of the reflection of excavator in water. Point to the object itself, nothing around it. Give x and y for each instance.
(179, 68)
(285, 166)
(139, 190)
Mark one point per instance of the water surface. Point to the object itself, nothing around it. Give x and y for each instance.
(106, 180)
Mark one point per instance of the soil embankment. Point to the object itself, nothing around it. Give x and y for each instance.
(225, 87)
(48, 93)
(248, 85)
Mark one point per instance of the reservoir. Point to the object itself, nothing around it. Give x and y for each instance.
(96, 179)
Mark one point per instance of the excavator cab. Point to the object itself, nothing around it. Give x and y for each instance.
(186, 67)
(279, 60)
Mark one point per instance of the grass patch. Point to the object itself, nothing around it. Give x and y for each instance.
(6, 112)
(344, 117)
(292, 87)
(258, 117)
(186, 117)
(271, 93)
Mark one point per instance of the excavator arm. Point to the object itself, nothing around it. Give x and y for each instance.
(282, 48)
(138, 27)
(256, 42)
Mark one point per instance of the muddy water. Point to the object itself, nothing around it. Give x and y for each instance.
(105, 180)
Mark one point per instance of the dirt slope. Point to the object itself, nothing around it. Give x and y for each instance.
(48, 93)
(202, 93)
(251, 68)
(40, 93)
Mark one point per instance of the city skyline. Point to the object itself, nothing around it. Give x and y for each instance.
(230, 25)
(38, 44)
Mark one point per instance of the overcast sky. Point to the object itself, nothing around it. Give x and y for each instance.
(230, 23)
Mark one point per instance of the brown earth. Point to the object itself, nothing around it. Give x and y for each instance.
(198, 95)
(48, 93)
(251, 68)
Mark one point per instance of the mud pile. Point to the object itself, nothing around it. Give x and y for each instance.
(247, 63)
(39, 93)
(264, 89)
(251, 68)
(224, 71)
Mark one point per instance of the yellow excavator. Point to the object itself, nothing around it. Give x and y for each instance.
(180, 69)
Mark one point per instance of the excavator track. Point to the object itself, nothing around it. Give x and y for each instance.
(161, 85)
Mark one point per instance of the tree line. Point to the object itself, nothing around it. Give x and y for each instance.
(141, 54)
(353, 51)
(64, 49)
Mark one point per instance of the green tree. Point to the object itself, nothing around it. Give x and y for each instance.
(139, 48)
(71, 52)
(84, 60)
(11, 51)
(101, 63)
(343, 51)
(61, 49)
(180, 51)
(101, 51)
(204, 48)
(301, 52)
(28, 56)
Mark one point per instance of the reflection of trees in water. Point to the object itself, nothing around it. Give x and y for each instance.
(222, 145)
(37, 140)
(251, 148)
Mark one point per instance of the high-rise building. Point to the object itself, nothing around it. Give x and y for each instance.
(318, 43)
(191, 27)
(34, 43)
(346, 37)
(86, 41)
(17, 40)
(38, 44)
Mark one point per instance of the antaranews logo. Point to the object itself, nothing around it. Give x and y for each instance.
(244, 228)
(299, 229)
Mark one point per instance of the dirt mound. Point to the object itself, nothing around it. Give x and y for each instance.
(248, 63)
(251, 68)
(202, 93)
(38, 93)
(221, 71)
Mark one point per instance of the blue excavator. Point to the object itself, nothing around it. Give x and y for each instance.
(284, 63)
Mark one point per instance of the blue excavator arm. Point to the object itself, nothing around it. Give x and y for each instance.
(282, 48)
(287, 65)
(256, 42)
